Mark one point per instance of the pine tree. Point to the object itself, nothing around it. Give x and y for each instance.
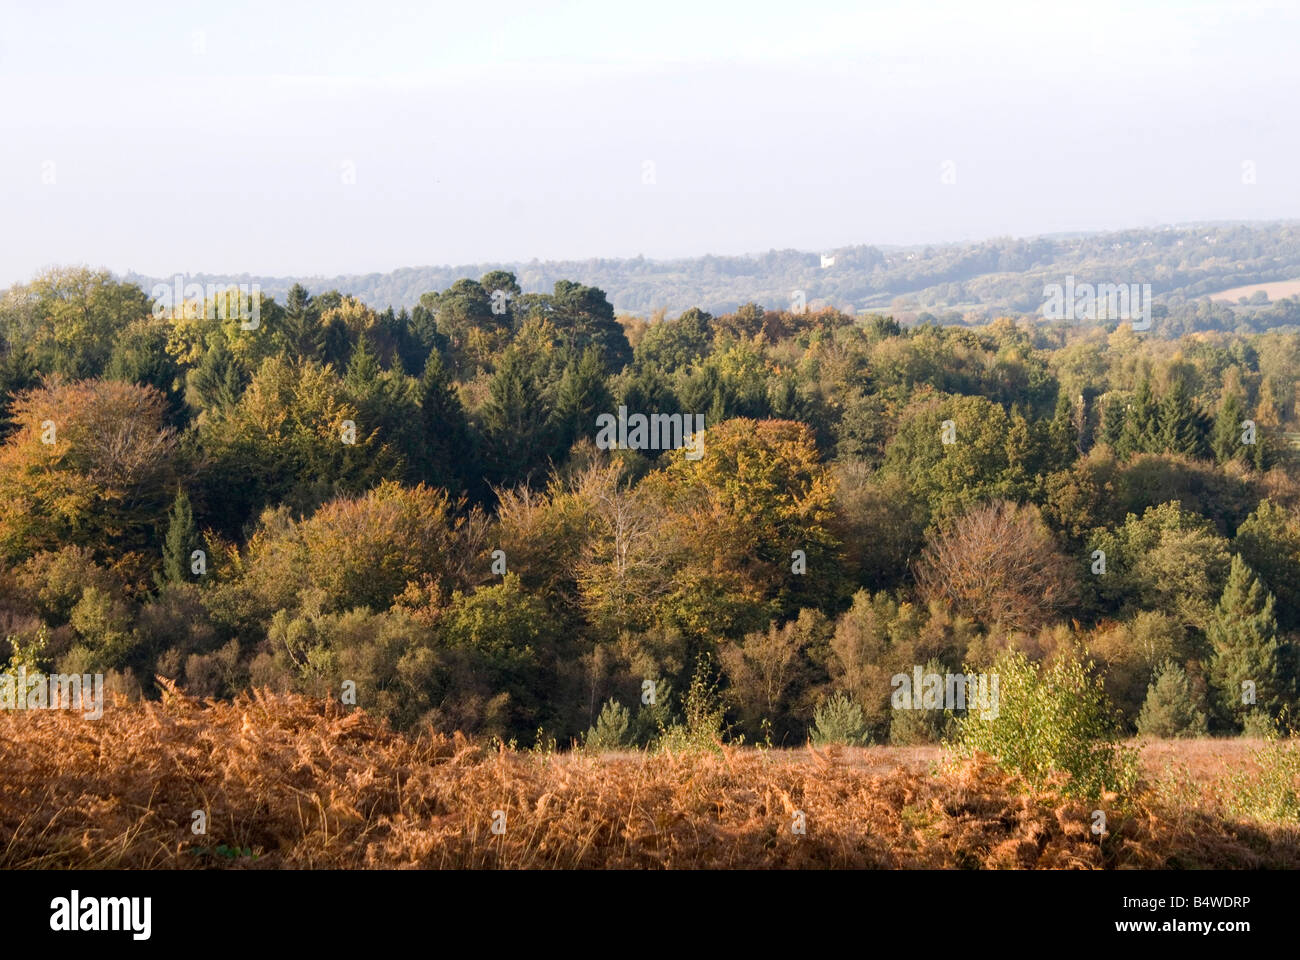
(182, 535)
(1228, 428)
(1243, 638)
(580, 396)
(364, 369)
(216, 383)
(611, 731)
(1140, 433)
(1113, 416)
(1261, 454)
(448, 457)
(909, 728)
(17, 372)
(1062, 435)
(516, 420)
(303, 335)
(1170, 709)
(840, 720)
(1179, 423)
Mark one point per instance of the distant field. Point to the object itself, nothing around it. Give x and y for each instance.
(1275, 290)
(1204, 760)
(290, 782)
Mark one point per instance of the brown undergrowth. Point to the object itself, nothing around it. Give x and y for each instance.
(291, 782)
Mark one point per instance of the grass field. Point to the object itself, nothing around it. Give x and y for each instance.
(1276, 290)
(288, 782)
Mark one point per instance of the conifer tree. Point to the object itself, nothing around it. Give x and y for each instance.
(1141, 424)
(217, 382)
(182, 536)
(301, 328)
(1179, 421)
(1170, 709)
(1228, 429)
(580, 396)
(448, 455)
(1243, 638)
(1113, 416)
(516, 420)
(1062, 435)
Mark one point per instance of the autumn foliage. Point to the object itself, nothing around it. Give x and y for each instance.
(289, 782)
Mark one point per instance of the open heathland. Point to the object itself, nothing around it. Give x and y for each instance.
(285, 781)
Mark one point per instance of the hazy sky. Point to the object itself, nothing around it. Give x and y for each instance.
(331, 137)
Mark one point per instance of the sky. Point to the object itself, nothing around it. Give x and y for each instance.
(336, 137)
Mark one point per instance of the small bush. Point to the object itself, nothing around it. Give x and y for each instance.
(611, 731)
(1170, 709)
(1273, 794)
(910, 728)
(653, 719)
(840, 720)
(1053, 727)
(1257, 725)
(704, 725)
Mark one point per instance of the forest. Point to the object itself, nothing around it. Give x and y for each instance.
(955, 283)
(409, 507)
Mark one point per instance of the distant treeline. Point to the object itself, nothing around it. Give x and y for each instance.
(949, 283)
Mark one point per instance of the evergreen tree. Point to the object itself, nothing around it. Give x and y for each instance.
(410, 351)
(301, 328)
(1024, 447)
(1269, 542)
(448, 457)
(17, 373)
(1062, 437)
(611, 731)
(1141, 423)
(182, 536)
(217, 382)
(1261, 451)
(580, 396)
(1179, 422)
(424, 331)
(364, 370)
(1243, 638)
(386, 401)
(1226, 439)
(584, 317)
(1113, 416)
(140, 356)
(1170, 709)
(516, 420)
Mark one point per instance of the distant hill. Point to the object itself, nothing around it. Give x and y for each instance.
(952, 281)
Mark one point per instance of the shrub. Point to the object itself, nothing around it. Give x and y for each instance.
(839, 720)
(1257, 725)
(704, 725)
(909, 728)
(651, 719)
(611, 729)
(1273, 793)
(1052, 727)
(1170, 709)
